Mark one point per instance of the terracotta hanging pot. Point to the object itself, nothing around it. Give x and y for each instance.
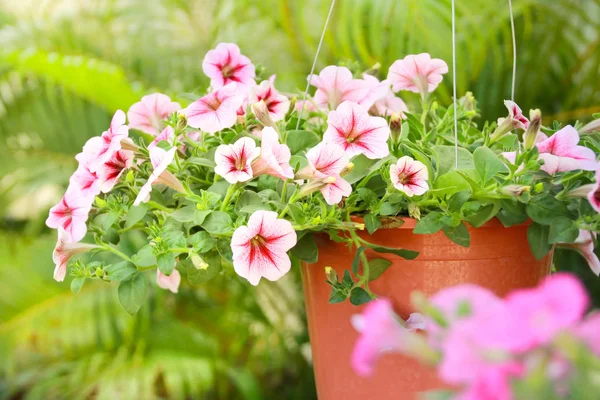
(498, 259)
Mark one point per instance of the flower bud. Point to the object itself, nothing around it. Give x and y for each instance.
(314, 185)
(515, 190)
(531, 134)
(414, 211)
(581, 191)
(468, 102)
(170, 180)
(127, 144)
(593, 126)
(198, 262)
(332, 276)
(395, 127)
(181, 122)
(347, 169)
(261, 112)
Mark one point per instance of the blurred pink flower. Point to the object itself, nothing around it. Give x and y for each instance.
(351, 128)
(561, 153)
(215, 111)
(380, 332)
(584, 244)
(71, 214)
(166, 135)
(409, 176)
(380, 99)
(110, 172)
(328, 161)
(417, 73)
(277, 104)
(234, 160)
(260, 248)
(274, 157)
(98, 150)
(589, 331)
(160, 160)
(226, 64)
(147, 114)
(336, 85)
(85, 181)
(170, 282)
(64, 250)
(594, 194)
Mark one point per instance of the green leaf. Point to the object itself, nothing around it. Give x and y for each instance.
(361, 168)
(450, 183)
(218, 222)
(459, 235)
(511, 213)
(120, 271)
(185, 214)
(347, 279)
(446, 159)
(544, 209)
(537, 235)
(359, 296)
(377, 267)
(250, 199)
(406, 254)
(200, 216)
(430, 223)
(204, 162)
(219, 188)
(199, 275)
(135, 214)
(487, 163)
(166, 263)
(337, 296)
(202, 242)
(144, 257)
(372, 222)
(563, 230)
(301, 140)
(76, 284)
(224, 249)
(132, 292)
(356, 261)
(306, 249)
(483, 215)
(457, 200)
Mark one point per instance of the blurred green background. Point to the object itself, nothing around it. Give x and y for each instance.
(67, 65)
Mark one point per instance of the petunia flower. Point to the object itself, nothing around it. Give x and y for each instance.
(85, 181)
(234, 160)
(584, 244)
(215, 111)
(417, 73)
(274, 157)
(110, 172)
(101, 149)
(260, 248)
(71, 214)
(351, 128)
(170, 282)
(409, 176)
(226, 64)
(380, 99)
(514, 120)
(160, 160)
(561, 153)
(147, 114)
(64, 250)
(336, 85)
(380, 332)
(588, 330)
(326, 161)
(166, 135)
(594, 194)
(277, 104)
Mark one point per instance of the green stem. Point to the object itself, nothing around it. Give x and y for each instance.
(179, 250)
(284, 189)
(159, 206)
(117, 252)
(230, 191)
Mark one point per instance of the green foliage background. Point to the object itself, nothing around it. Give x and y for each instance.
(67, 65)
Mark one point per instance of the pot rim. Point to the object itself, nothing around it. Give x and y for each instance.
(410, 223)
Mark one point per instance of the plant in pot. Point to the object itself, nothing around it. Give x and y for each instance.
(374, 199)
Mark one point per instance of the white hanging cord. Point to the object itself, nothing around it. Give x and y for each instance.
(312, 70)
(514, 46)
(454, 85)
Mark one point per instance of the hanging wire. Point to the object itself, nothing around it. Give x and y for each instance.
(312, 70)
(514, 46)
(454, 85)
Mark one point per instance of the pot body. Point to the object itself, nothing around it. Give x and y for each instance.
(498, 259)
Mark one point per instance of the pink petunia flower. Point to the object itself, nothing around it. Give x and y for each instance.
(98, 150)
(71, 214)
(110, 172)
(380, 99)
(260, 248)
(561, 153)
(380, 332)
(594, 194)
(64, 250)
(147, 114)
(274, 157)
(215, 111)
(170, 282)
(417, 73)
(584, 244)
(351, 128)
(166, 135)
(515, 115)
(277, 104)
(409, 176)
(234, 160)
(85, 181)
(336, 85)
(160, 160)
(226, 64)
(588, 330)
(326, 161)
